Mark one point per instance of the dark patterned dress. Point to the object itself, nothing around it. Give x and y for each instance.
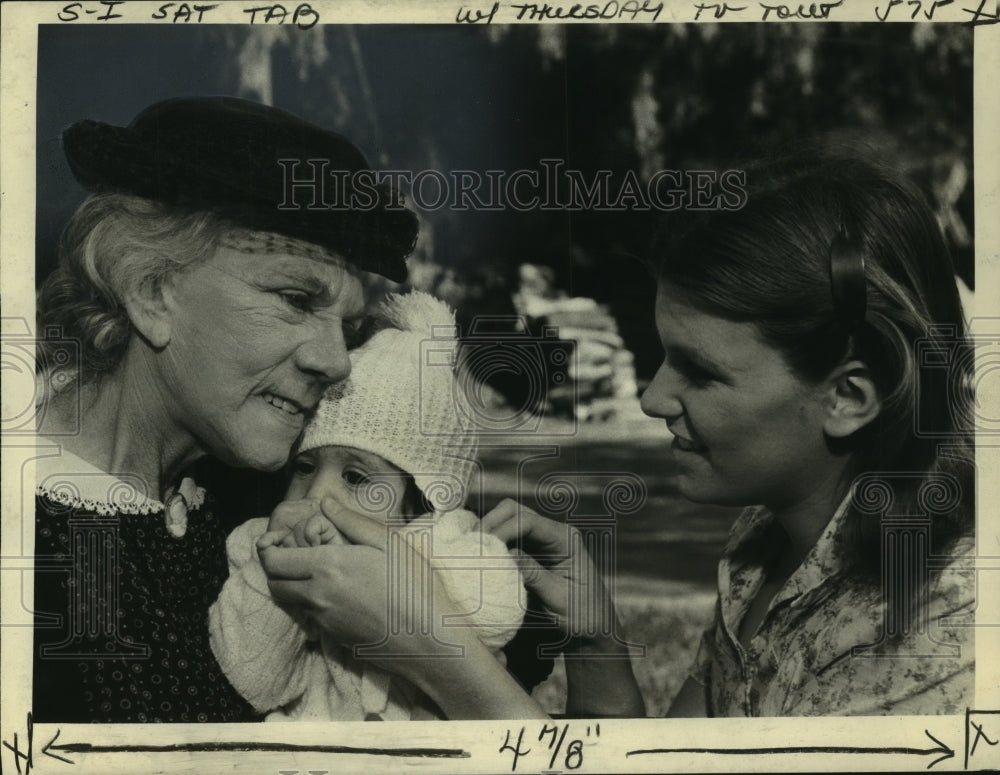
(121, 604)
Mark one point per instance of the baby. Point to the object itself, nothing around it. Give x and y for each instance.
(390, 443)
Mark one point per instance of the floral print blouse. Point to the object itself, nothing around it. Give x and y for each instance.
(820, 648)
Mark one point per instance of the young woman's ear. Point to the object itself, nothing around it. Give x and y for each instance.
(148, 308)
(853, 400)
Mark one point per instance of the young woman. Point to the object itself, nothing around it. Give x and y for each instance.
(795, 382)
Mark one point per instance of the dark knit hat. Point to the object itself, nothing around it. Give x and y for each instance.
(224, 155)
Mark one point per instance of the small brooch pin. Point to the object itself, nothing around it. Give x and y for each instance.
(176, 505)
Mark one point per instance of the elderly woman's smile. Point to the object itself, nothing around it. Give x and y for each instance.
(289, 407)
(254, 339)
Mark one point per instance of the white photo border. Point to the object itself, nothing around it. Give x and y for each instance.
(607, 745)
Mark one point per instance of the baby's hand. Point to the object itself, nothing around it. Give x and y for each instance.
(288, 514)
(317, 530)
(280, 537)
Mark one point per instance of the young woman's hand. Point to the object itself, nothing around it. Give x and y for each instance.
(557, 566)
(361, 596)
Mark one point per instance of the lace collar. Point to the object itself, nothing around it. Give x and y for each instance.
(70, 480)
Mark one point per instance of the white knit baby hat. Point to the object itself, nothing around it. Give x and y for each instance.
(403, 401)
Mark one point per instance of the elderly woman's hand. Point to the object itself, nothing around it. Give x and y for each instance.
(348, 587)
(345, 589)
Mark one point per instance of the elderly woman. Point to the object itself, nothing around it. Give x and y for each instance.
(212, 296)
(815, 371)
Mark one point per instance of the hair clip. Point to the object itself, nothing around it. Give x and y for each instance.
(847, 279)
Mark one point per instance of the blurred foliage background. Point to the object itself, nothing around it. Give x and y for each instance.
(598, 97)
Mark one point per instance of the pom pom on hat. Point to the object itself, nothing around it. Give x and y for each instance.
(403, 401)
(419, 313)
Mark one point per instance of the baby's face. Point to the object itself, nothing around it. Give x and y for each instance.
(359, 481)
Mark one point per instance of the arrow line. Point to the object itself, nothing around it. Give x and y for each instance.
(947, 753)
(45, 750)
(249, 747)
